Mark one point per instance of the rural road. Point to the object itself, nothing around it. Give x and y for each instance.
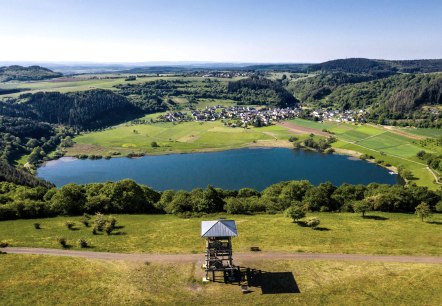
(255, 256)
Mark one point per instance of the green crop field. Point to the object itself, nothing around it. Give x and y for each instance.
(434, 133)
(388, 233)
(384, 145)
(49, 280)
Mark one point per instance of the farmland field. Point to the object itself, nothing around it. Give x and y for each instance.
(383, 144)
(387, 233)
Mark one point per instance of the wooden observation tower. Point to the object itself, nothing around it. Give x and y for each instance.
(218, 236)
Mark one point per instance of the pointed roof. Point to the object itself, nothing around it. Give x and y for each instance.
(218, 228)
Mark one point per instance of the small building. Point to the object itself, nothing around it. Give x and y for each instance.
(218, 257)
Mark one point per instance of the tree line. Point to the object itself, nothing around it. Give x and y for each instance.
(127, 196)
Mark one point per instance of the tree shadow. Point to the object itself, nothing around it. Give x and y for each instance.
(119, 226)
(118, 233)
(375, 218)
(322, 229)
(434, 222)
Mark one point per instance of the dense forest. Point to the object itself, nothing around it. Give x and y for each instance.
(126, 196)
(13, 175)
(31, 73)
(378, 67)
(82, 109)
(259, 91)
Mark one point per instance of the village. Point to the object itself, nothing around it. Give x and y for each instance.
(235, 116)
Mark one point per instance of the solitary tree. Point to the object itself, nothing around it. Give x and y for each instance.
(362, 207)
(295, 213)
(423, 210)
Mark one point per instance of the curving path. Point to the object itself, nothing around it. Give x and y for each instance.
(252, 256)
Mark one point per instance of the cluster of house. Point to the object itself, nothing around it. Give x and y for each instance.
(340, 116)
(244, 115)
(220, 74)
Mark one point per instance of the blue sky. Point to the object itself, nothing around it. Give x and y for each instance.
(220, 31)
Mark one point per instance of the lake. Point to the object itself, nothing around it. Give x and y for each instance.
(233, 169)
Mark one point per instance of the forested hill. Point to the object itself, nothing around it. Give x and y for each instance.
(262, 91)
(20, 177)
(31, 73)
(378, 67)
(83, 109)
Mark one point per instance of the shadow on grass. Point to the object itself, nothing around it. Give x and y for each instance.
(375, 218)
(322, 229)
(435, 222)
(268, 282)
(301, 223)
(119, 226)
(74, 229)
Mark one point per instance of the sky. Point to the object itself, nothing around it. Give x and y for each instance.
(250, 31)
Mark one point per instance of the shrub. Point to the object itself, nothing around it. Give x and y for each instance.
(63, 242)
(438, 207)
(112, 221)
(109, 228)
(293, 138)
(70, 224)
(83, 243)
(99, 222)
(37, 225)
(313, 222)
(154, 144)
(85, 220)
(3, 244)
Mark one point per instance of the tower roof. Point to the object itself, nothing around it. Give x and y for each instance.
(218, 228)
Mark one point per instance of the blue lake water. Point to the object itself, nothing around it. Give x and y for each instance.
(233, 169)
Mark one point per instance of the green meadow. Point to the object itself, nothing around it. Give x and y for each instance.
(50, 280)
(382, 233)
(177, 138)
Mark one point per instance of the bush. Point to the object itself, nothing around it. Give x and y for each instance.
(63, 242)
(313, 222)
(438, 207)
(293, 138)
(109, 228)
(85, 220)
(83, 243)
(3, 244)
(99, 222)
(37, 225)
(70, 224)
(154, 144)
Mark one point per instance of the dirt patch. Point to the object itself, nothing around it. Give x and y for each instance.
(403, 133)
(302, 129)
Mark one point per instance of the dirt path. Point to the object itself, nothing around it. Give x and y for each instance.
(301, 129)
(256, 256)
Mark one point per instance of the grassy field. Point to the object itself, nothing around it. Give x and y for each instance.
(86, 82)
(48, 280)
(388, 233)
(177, 138)
(383, 144)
